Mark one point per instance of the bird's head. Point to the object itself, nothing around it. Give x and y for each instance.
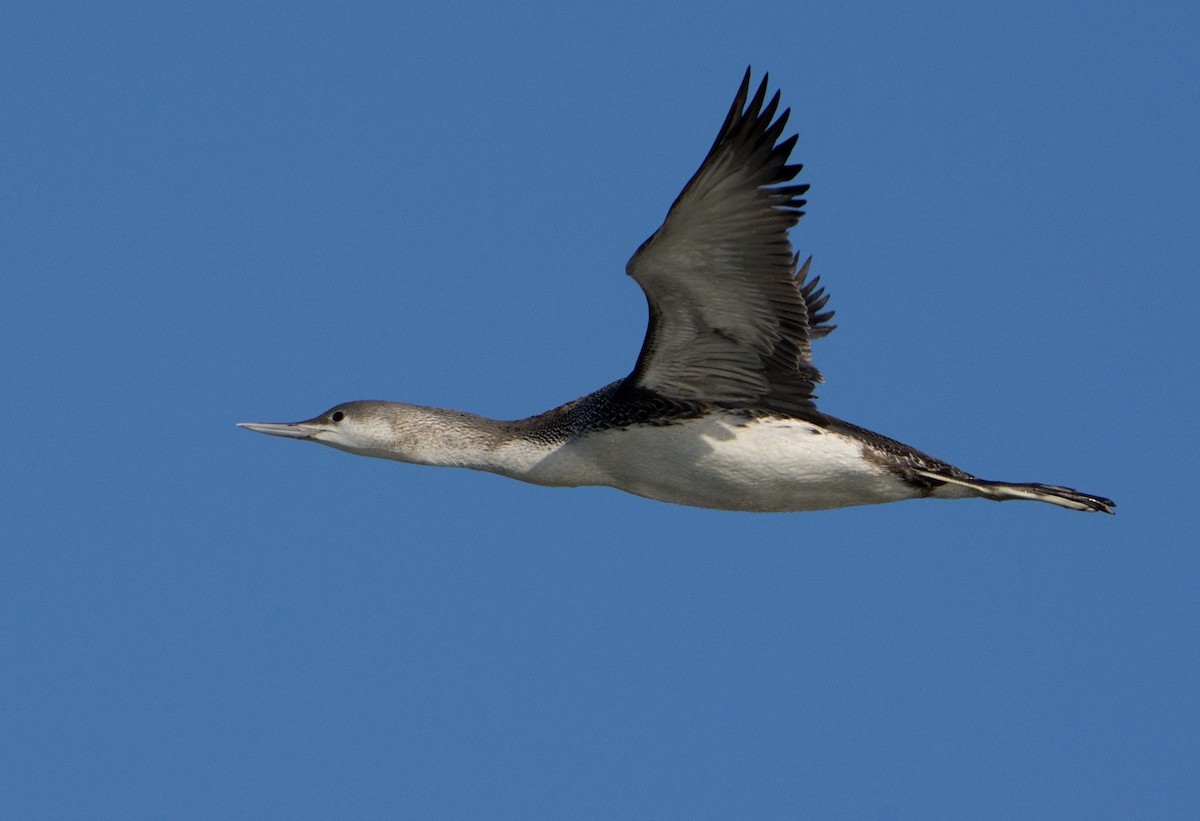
(365, 427)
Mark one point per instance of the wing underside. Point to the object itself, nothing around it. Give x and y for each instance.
(732, 312)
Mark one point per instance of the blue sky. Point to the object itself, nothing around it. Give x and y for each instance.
(228, 213)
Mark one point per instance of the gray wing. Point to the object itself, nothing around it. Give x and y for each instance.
(731, 312)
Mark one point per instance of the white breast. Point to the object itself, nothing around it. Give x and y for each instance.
(724, 461)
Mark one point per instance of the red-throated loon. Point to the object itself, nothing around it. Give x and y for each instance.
(719, 410)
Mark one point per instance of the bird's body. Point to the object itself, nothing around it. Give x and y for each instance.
(719, 410)
(726, 461)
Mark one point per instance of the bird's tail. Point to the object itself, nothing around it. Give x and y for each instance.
(1004, 491)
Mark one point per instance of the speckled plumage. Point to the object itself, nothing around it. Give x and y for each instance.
(615, 406)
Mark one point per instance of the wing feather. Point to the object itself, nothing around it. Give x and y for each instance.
(731, 310)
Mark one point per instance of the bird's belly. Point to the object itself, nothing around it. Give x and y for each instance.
(727, 463)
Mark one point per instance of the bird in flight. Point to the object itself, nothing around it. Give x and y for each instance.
(719, 409)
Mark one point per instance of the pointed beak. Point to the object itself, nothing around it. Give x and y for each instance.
(292, 430)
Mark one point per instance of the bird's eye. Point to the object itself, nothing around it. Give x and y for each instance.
(337, 416)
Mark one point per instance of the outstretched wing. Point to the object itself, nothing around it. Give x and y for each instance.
(731, 312)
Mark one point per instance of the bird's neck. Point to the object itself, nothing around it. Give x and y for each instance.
(440, 436)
